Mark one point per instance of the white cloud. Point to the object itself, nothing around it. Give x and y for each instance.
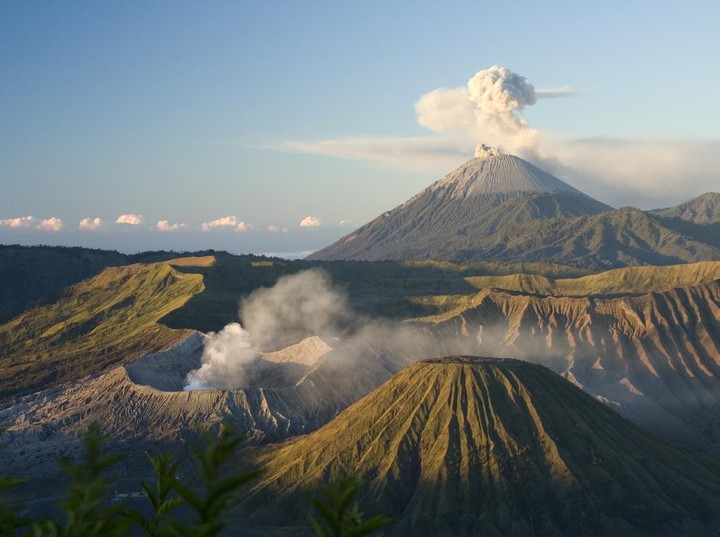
(164, 225)
(344, 223)
(226, 222)
(310, 221)
(90, 223)
(129, 219)
(272, 228)
(21, 221)
(51, 224)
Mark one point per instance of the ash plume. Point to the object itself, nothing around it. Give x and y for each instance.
(487, 109)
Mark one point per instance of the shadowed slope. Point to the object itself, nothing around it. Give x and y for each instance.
(466, 446)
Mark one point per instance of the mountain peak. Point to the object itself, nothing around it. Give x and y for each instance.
(473, 446)
(494, 172)
(485, 151)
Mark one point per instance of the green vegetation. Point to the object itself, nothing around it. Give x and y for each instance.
(338, 516)
(87, 512)
(109, 319)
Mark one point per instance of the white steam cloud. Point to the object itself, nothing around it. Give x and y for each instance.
(129, 219)
(310, 221)
(19, 222)
(298, 306)
(487, 109)
(90, 224)
(226, 222)
(51, 224)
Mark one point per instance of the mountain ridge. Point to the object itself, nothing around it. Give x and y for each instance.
(502, 208)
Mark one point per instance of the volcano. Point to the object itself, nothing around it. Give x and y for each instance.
(499, 207)
(474, 446)
(481, 197)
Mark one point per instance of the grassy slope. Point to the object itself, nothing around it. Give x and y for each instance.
(618, 281)
(108, 319)
(33, 275)
(492, 449)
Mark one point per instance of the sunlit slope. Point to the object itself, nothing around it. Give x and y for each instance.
(109, 319)
(628, 280)
(656, 355)
(464, 446)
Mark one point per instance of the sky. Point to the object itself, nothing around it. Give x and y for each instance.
(277, 127)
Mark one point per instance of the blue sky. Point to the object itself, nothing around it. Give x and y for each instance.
(194, 112)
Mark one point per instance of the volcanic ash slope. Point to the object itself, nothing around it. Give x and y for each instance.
(469, 446)
(142, 405)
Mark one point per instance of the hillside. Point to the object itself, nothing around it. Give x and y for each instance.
(106, 320)
(702, 210)
(468, 446)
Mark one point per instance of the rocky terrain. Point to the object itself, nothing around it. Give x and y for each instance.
(653, 356)
(142, 405)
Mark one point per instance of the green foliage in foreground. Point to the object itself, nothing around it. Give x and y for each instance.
(338, 515)
(86, 512)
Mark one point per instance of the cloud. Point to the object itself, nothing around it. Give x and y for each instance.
(646, 173)
(50, 224)
(21, 221)
(276, 229)
(423, 154)
(129, 219)
(226, 222)
(164, 225)
(555, 93)
(344, 223)
(643, 173)
(310, 221)
(90, 223)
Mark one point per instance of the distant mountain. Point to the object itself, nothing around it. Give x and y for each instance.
(698, 218)
(473, 202)
(618, 238)
(704, 209)
(502, 208)
(469, 446)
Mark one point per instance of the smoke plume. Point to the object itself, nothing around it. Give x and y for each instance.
(298, 306)
(486, 109)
